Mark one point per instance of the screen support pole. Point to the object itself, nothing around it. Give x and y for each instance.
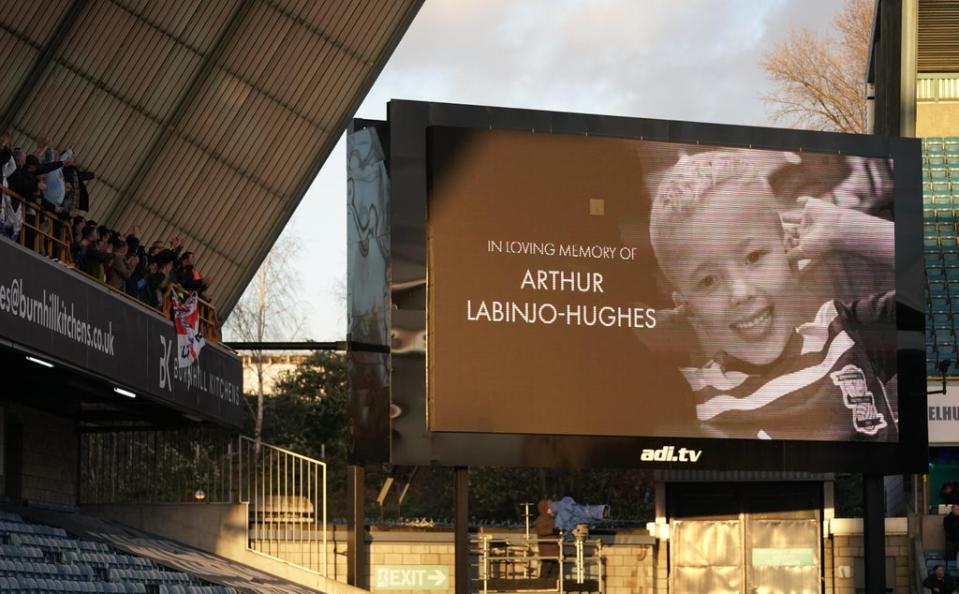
(355, 533)
(874, 532)
(461, 542)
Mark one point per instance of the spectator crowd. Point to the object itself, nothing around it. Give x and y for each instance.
(56, 200)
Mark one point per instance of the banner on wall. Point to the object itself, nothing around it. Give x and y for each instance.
(943, 415)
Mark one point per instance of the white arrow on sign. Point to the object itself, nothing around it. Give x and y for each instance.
(437, 577)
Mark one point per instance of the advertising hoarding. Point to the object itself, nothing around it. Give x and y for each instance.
(57, 313)
(943, 415)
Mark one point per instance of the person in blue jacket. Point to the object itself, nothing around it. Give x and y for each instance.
(567, 514)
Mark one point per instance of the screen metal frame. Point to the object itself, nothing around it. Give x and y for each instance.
(412, 443)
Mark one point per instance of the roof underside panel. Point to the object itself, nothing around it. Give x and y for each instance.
(203, 119)
(938, 47)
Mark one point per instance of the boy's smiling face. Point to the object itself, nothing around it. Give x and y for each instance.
(729, 267)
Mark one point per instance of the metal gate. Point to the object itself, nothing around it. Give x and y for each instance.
(706, 556)
(745, 539)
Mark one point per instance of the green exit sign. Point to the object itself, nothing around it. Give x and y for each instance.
(411, 577)
(783, 557)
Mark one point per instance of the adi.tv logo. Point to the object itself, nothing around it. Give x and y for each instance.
(670, 454)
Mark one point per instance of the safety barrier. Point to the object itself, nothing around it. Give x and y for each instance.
(511, 565)
(38, 227)
(44, 232)
(285, 491)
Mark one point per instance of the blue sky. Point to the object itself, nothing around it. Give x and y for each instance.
(693, 60)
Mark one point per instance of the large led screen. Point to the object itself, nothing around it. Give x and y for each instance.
(601, 286)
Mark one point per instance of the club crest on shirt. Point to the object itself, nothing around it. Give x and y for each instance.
(859, 399)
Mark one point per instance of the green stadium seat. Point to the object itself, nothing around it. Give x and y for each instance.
(37, 559)
(937, 161)
(942, 201)
(947, 242)
(939, 174)
(935, 150)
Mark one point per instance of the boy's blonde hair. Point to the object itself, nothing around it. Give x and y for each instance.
(685, 185)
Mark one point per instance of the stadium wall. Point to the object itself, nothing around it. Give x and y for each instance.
(36, 468)
(937, 119)
(634, 562)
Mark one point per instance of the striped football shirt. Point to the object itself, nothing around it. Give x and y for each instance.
(829, 383)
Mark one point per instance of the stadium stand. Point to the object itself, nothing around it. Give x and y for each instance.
(207, 125)
(119, 261)
(935, 557)
(38, 559)
(940, 198)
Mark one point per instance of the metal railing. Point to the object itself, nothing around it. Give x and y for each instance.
(937, 86)
(38, 232)
(37, 228)
(209, 320)
(504, 564)
(182, 466)
(285, 491)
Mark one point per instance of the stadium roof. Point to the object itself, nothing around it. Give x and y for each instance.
(938, 36)
(206, 119)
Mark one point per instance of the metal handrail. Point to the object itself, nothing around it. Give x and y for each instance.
(285, 492)
(43, 215)
(208, 314)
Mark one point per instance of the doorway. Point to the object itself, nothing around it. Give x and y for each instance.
(745, 538)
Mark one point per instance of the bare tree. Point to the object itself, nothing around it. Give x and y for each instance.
(268, 310)
(820, 79)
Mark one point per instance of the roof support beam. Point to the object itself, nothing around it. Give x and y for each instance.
(47, 54)
(168, 127)
(321, 155)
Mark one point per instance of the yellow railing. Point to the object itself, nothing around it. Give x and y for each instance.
(209, 321)
(37, 228)
(36, 233)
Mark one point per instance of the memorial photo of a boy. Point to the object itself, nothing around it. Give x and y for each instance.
(780, 356)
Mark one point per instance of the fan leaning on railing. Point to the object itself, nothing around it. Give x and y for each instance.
(36, 229)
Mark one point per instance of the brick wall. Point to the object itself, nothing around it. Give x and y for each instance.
(632, 562)
(847, 548)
